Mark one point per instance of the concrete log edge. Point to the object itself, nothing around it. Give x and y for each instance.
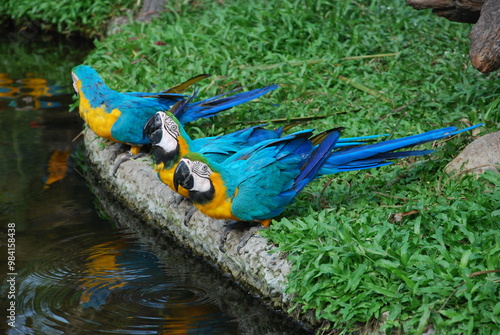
(259, 266)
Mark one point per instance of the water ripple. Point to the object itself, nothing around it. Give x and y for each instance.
(108, 285)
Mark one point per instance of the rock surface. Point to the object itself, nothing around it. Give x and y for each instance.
(453, 10)
(479, 156)
(258, 266)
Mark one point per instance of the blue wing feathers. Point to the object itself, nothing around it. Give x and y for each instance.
(210, 107)
(219, 148)
(317, 158)
(267, 172)
(375, 155)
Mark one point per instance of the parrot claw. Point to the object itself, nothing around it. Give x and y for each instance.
(118, 150)
(231, 225)
(122, 158)
(177, 199)
(189, 214)
(247, 236)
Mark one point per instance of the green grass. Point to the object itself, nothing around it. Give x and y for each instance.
(352, 263)
(66, 16)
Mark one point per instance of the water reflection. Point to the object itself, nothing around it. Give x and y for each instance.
(111, 284)
(29, 93)
(77, 272)
(57, 166)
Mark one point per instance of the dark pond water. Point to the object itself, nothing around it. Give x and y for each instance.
(73, 270)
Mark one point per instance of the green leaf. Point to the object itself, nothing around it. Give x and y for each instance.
(355, 277)
(465, 259)
(379, 289)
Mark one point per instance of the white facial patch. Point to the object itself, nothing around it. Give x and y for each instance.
(75, 80)
(201, 169)
(201, 173)
(170, 133)
(170, 126)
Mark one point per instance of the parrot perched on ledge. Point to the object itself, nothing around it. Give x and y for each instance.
(171, 142)
(257, 183)
(120, 117)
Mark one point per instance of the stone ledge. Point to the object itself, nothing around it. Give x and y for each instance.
(259, 267)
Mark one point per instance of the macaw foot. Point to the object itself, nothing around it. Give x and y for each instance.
(240, 225)
(250, 232)
(117, 150)
(122, 158)
(189, 213)
(177, 199)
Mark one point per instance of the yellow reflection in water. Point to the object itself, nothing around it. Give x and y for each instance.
(57, 167)
(109, 266)
(103, 273)
(27, 93)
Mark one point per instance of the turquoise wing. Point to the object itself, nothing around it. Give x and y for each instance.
(219, 148)
(264, 175)
(262, 185)
(135, 112)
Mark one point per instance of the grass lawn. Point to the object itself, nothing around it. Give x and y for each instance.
(87, 17)
(373, 67)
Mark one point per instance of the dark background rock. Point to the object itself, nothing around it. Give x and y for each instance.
(485, 38)
(151, 9)
(454, 10)
(484, 49)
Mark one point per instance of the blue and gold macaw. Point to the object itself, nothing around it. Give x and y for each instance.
(257, 183)
(171, 142)
(120, 117)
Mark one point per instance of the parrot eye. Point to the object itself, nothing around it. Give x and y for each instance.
(173, 127)
(201, 169)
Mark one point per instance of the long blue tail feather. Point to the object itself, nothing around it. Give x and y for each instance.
(210, 107)
(351, 141)
(378, 161)
(377, 154)
(360, 138)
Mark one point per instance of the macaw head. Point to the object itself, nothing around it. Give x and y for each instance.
(194, 174)
(85, 76)
(164, 132)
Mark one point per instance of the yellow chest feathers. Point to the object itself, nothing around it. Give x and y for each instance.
(97, 118)
(220, 206)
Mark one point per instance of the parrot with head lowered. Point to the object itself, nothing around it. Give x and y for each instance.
(120, 117)
(171, 142)
(257, 183)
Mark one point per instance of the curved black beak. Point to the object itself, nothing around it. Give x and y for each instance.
(152, 128)
(183, 176)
